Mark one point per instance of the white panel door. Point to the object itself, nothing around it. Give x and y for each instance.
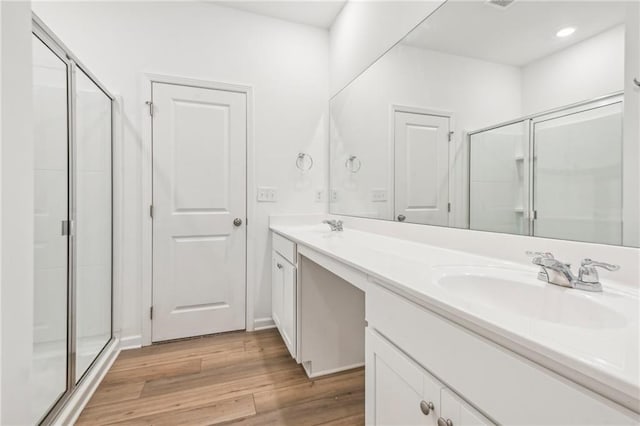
(199, 189)
(421, 168)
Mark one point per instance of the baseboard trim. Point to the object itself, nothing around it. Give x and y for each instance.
(263, 324)
(130, 342)
(69, 414)
(314, 374)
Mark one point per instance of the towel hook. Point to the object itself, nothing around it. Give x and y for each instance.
(353, 164)
(304, 162)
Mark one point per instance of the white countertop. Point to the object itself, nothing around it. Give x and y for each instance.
(599, 349)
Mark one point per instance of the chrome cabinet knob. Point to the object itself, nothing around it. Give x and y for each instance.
(279, 265)
(426, 407)
(237, 221)
(444, 422)
(401, 218)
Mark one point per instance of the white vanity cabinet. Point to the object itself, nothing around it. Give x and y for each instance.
(497, 381)
(284, 290)
(400, 392)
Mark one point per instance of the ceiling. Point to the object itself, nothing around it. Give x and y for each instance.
(318, 13)
(515, 35)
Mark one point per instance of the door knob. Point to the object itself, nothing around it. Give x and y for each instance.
(237, 221)
(401, 218)
(426, 407)
(443, 422)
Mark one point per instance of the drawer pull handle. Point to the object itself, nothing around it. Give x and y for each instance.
(443, 422)
(279, 265)
(426, 407)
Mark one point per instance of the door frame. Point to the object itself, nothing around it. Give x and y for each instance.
(453, 146)
(147, 195)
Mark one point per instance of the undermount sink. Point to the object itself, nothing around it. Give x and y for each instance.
(518, 292)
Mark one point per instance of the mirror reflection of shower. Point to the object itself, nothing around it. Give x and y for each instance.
(556, 174)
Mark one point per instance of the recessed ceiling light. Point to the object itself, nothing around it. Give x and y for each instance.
(565, 32)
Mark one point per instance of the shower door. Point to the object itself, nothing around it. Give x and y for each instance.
(51, 215)
(499, 179)
(72, 221)
(577, 175)
(92, 260)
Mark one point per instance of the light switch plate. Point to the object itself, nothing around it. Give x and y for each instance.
(378, 195)
(334, 195)
(319, 195)
(267, 194)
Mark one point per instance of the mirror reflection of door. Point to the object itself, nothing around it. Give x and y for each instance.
(577, 176)
(421, 168)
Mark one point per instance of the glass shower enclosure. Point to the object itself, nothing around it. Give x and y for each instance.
(72, 220)
(556, 174)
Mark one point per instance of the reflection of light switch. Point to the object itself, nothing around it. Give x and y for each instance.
(267, 194)
(319, 197)
(378, 195)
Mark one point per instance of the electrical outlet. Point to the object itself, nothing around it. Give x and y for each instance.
(334, 195)
(319, 195)
(378, 195)
(267, 194)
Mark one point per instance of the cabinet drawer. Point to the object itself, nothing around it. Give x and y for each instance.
(285, 247)
(495, 380)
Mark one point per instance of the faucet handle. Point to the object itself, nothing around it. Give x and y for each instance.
(607, 266)
(588, 272)
(546, 254)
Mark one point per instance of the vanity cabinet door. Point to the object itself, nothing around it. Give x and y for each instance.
(455, 412)
(288, 317)
(277, 283)
(398, 392)
(283, 300)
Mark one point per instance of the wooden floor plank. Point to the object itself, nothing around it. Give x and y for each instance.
(225, 375)
(310, 413)
(231, 378)
(217, 412)
(192, 398)
(111, 394)
(329, 387)
(154, 371)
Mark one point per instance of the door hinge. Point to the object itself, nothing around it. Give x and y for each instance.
(151, 312)
(151, 211)
(450, 136)
(66, 228)
(150, 104)
(535, 215)
(449, 207)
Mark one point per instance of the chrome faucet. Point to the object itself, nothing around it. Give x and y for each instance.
(335, 225)
(559, 273)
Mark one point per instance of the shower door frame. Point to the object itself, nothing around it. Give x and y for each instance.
(531, 120)
(49, 39)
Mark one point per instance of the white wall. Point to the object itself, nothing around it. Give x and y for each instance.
(364, 30)
(16, 291)
(287, 64)
(586, 70)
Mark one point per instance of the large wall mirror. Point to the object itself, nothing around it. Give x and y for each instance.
(518, 117)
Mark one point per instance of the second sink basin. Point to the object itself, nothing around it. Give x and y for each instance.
(520, 293)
